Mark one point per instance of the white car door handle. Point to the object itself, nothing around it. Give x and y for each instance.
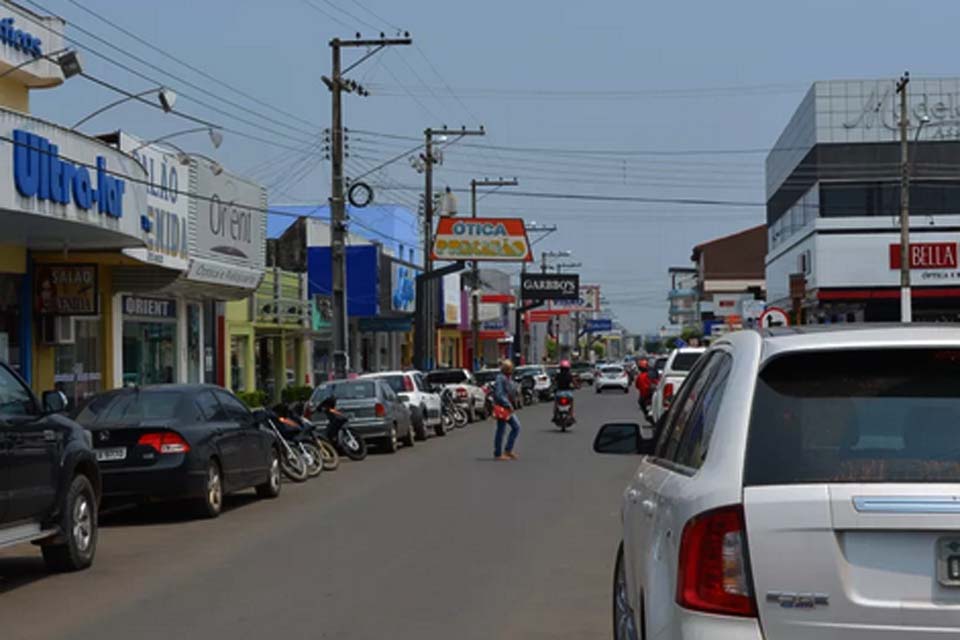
(648, 507)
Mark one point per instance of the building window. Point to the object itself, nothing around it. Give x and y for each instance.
(238, 363)
(78, 366)
(846, 199)
(194, 333)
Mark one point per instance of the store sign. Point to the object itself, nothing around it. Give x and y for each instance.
(588, 301)
(66, 289)
(39, 172)
(231, 218)
(482, 239)
(164, 222)
(402, 287)
(385, 325)
(542, 286)
(726, 304)
(599, 325)
(927, 255)
(149, 307)
(224, 274)
(20, 40)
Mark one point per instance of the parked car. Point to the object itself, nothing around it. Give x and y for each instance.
(376, 413)
(193, 442)
(584, 370)
(542, 384)
(49, 480)
(415, 393)
(466, 392)
(678, 365)
(803, 485)
(612, 376)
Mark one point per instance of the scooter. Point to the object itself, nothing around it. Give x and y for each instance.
(563, 410)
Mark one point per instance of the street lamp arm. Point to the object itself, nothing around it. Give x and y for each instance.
(46, 56)
(174, 135)
(113, 104)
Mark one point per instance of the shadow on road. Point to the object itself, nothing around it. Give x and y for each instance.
(16, 572)
(165, 512)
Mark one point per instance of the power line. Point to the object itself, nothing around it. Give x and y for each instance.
(201, 72)
(376, 16)
(187, 83)
(327, 14)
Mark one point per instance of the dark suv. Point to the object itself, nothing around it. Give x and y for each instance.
(49, 478)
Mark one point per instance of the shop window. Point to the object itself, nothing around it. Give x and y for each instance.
(238, 363)
(149, 352)
(78, 366)
(10, 320)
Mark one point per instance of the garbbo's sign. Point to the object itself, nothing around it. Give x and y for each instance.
(541, 286)
(484, 239)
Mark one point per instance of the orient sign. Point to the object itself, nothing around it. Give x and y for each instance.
(927, 255)
(487, 239)
(538, 286)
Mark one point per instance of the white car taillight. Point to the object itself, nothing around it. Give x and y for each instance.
(713, 575)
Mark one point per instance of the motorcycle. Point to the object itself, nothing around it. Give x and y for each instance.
(450, 410)
(526, 390)
(563, 410)
(299, 457)
(329, 453)
(488, 398)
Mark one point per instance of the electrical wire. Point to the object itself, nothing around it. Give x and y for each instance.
(162, 51)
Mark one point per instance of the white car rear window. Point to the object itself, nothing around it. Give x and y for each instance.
(612, 371)
(857, 416)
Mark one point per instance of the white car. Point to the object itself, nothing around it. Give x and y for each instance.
(679, 364)
(612, 376)
(542, 385)
(804, 484)
(424, 405)
(466, 392)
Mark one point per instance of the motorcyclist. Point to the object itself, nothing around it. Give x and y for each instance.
(564, 386)
(644, 385)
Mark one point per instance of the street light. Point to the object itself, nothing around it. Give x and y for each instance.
(216, 137)
(184, 158)
(165, 96)
(568, 265)
(69, 63)
(552, 254)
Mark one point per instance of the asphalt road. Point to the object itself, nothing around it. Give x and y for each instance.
(437, 542)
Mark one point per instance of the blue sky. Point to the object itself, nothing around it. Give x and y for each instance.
(632, 77)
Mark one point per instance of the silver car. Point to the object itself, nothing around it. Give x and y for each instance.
(375, 412)
(804, 484)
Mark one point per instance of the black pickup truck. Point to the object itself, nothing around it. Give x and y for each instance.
(49, 478)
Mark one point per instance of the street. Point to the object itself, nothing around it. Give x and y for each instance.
(440, 541)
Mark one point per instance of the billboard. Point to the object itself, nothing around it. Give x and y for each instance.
(66, 289)
(402, 287)
(482, 239)
(543, 286)
(451, 298)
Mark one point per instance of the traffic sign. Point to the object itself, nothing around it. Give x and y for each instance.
(774, 317)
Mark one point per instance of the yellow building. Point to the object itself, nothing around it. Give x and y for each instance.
(269, 336)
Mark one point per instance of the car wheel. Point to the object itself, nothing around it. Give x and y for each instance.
(440, 429)
(420, 426)
(78, 526)
(391, 443)
(599, 390)
(472, 414)
(211, 504)
(271, 488)
(410, 439)
(626, 389)
(624, 623)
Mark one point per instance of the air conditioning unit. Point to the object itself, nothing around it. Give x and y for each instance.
(57, 330)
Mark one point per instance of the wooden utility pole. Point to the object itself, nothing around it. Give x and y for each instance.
(906, 302)
(475, 284)
(338, 208)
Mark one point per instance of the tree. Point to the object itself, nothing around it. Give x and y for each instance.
(551, 349)
(653, 345)
(599, 349)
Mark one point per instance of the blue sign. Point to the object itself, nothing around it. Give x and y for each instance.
(403, 289)
(18, 39)
(363, 279)
(39, 171)
(602, 324)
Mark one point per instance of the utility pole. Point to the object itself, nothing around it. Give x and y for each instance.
(519, 349)
(338, 209)
(475, 284)
(425, 342)
(906, 303)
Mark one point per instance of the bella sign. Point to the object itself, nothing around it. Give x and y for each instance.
(927, 255)
(485, 239)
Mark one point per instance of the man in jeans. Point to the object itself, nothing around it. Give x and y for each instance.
(503, 410)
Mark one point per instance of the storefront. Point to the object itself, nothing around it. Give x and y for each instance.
(449, 347)
(833, 194)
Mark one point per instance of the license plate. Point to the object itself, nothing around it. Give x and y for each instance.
(948, 561)
(112, 454)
